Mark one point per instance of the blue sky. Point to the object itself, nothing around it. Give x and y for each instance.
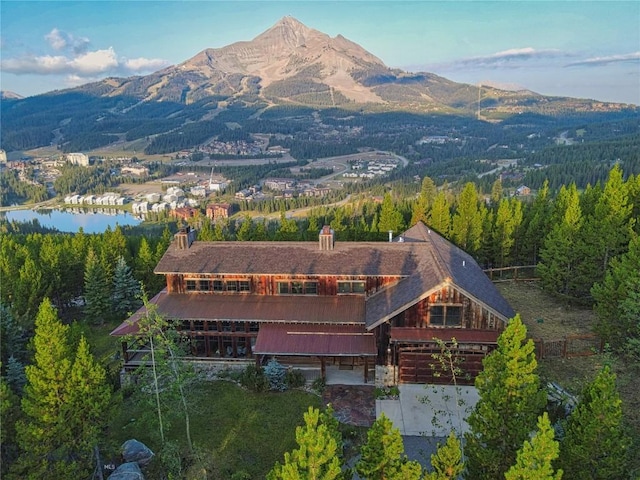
(574, 48)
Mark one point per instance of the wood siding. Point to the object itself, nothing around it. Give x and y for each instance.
(474, 315)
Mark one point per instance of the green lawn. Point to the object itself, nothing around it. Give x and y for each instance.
(233, 429)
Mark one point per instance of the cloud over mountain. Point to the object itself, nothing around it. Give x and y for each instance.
(74, 58)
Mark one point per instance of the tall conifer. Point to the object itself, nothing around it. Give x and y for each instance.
(510, 401)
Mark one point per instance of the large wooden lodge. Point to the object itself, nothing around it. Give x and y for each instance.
(351, 303)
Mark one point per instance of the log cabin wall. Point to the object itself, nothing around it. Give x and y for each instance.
(473, 315)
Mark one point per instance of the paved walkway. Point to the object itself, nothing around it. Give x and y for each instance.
(429, 410)
(353, 404)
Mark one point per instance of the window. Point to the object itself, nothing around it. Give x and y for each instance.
(351, 287)
(218, 286)
(297, 288)
(203, 285)
(244, 286)
(232, 285)
(191, 285)
(445, 315)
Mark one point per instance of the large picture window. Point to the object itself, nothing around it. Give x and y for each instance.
(297, 287)
(445, 315)
(351, 287)
(218, 285)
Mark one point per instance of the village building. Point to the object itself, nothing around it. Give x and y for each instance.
(325, 303)
(218, 211)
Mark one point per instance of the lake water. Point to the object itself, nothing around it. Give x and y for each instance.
(91, 221)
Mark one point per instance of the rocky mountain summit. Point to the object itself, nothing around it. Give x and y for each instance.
(291, 63)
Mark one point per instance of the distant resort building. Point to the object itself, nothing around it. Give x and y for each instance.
(138, 171)
(217, 211)
(77, 159)
(104, 199)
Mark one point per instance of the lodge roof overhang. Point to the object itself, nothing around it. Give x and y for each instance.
(404, 335)
(328, 310)
(315, 340)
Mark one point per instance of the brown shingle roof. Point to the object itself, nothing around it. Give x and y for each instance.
(424, 259)
(273, 258)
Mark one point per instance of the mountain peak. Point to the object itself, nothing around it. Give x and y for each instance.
(288, 33)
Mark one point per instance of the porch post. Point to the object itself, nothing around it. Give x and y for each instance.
(366, 369)
(323, 372)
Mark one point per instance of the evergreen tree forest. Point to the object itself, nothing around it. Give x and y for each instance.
(583, 243)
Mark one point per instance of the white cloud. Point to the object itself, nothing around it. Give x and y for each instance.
(505, 57)
(600, 61)
(81, 65)
(59, 40)
(145, 64)
(90, 63)
(56, 39)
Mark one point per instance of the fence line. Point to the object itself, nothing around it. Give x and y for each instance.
(519, 273)
(570, 346)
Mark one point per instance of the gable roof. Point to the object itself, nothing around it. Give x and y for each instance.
(422, 260)
(441, 263)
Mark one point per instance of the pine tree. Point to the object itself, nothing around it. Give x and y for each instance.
(9, 412)
(510, 401)
(245, 232)
(422, 207)
(96, 291)
(145, 262)
(604, 234)
(440, 215)
(86, 401)
(621, 282)
(12, 338)
(382, 457)
(317, 456)
(467, 221)
(534, 459)
(16, 377)
(536, 225)
(508, 219)
(595, 446)
(496, 192)
(447, 462)
(42, 437)
(390, 217)
(126, 297)
(559, 256)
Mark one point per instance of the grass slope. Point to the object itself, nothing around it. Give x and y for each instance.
(233, 430)
(560, 319)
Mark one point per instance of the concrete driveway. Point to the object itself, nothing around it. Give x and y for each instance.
(430, 410)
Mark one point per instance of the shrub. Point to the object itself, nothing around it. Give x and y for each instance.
(276, 375)
(318, 385)
(254, 379)
(294, 378)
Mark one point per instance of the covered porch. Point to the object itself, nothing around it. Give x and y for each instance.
(336, 348)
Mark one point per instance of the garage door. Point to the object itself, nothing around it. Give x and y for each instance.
(418, 365)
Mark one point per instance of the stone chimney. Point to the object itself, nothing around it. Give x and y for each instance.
(327, 240)
(185, 237)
